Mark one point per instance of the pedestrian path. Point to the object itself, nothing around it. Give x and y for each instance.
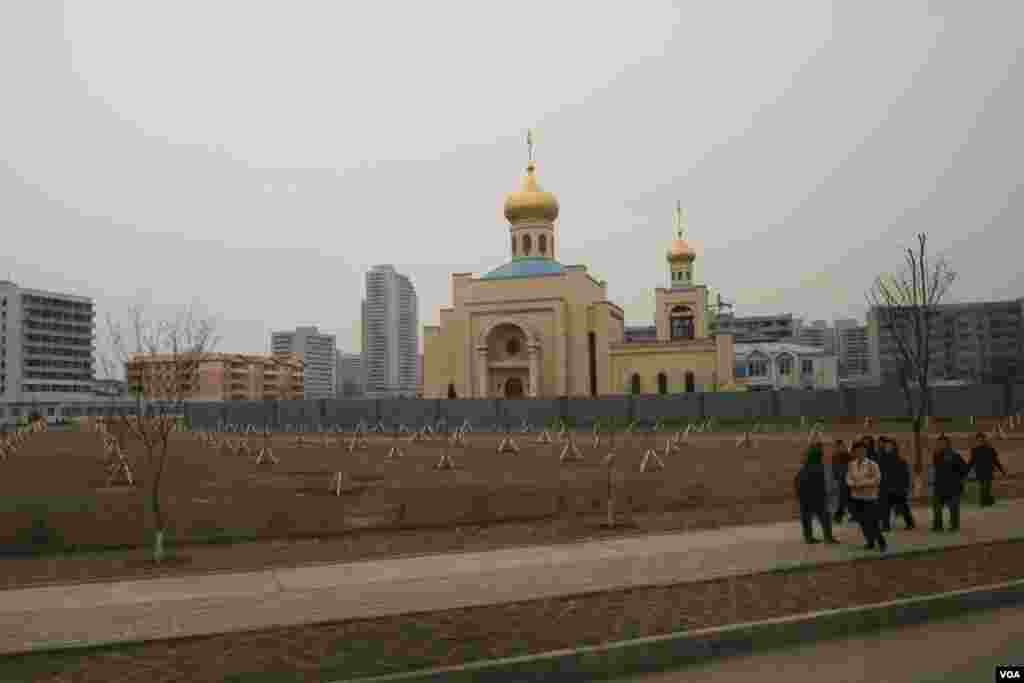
(95, 613)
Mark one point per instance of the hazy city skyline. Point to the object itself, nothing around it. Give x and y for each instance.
(259, 158)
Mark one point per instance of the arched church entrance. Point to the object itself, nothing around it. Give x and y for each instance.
(509, 362)
(514, 388)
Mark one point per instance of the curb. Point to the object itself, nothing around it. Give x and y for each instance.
(686, 648)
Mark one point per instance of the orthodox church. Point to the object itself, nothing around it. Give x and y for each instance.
(534, 327)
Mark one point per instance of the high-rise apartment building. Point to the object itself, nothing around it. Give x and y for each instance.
(854, 350)
(47, 345)
(980, 342)
(351, 381)
(390, 333)
(320, 354)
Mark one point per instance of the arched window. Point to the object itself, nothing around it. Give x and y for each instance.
(662, 383)
(690, 384)
(681, 323)
(513, 245)
(785, 363)
(542, 244)
(634, 385)
(451, 390)
(526, 245)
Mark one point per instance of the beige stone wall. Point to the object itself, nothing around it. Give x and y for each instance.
(675, 360)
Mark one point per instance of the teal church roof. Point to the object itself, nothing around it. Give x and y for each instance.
(525, 266)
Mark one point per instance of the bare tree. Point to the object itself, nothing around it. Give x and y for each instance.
(161, 360)
(905, 306)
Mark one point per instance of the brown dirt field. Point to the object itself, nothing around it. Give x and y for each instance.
(325, 652)
(388, 507)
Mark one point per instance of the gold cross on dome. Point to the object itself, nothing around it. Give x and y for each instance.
(529, 143)
(680, 219)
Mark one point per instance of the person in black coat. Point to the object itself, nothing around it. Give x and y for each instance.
(950, 470)
(896, 483)
(984, 462)
(812, 491)
(840, 464)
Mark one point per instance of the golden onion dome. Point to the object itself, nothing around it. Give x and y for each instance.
(531, 203)
(681, 251)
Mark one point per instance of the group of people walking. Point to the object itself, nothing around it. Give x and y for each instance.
(871, 482)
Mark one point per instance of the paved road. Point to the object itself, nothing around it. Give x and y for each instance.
(98, 613)
(961, 650)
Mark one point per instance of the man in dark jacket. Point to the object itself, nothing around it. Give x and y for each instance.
(984, 462)
(813, 494)
(840, 464)
(950, 470)
(895, 484)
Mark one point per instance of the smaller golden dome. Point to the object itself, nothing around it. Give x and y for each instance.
(681, 251)
(531, 203)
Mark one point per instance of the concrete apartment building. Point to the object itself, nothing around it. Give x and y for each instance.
(853, 345)
(390, 333)
(351, 381)
(980, 342)
(817, 334)
(47, 347)
(755, 328)
(320, 354)
(219, 377)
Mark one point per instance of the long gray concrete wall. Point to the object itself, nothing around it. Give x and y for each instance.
(976, 400)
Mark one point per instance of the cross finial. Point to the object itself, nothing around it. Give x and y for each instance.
(680, 219)
(529, 144)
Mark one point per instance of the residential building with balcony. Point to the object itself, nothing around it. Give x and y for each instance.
(977, 343)
(217, 377)
(47, 345)
(351, 380)
(320, 353)
(853, 344)
(818, 334)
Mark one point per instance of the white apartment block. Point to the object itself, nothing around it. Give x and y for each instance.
(319, 351)
(390, 334)
(47, 345)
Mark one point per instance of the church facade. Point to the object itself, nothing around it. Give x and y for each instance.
(534, 327)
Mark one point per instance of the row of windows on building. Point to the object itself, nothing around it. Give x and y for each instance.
(636, 385)
(759, 367)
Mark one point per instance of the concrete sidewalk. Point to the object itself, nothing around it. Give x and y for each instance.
(96, 613)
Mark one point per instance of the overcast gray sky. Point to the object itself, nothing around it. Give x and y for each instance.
(258, 157)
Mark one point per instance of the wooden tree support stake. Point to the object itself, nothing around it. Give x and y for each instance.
(745, 441)
(395, 452)
(508, 445)
(570, 452)
(445, 462)
(337, 483)
(265, 455)
(545, 437)
(651, 461)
